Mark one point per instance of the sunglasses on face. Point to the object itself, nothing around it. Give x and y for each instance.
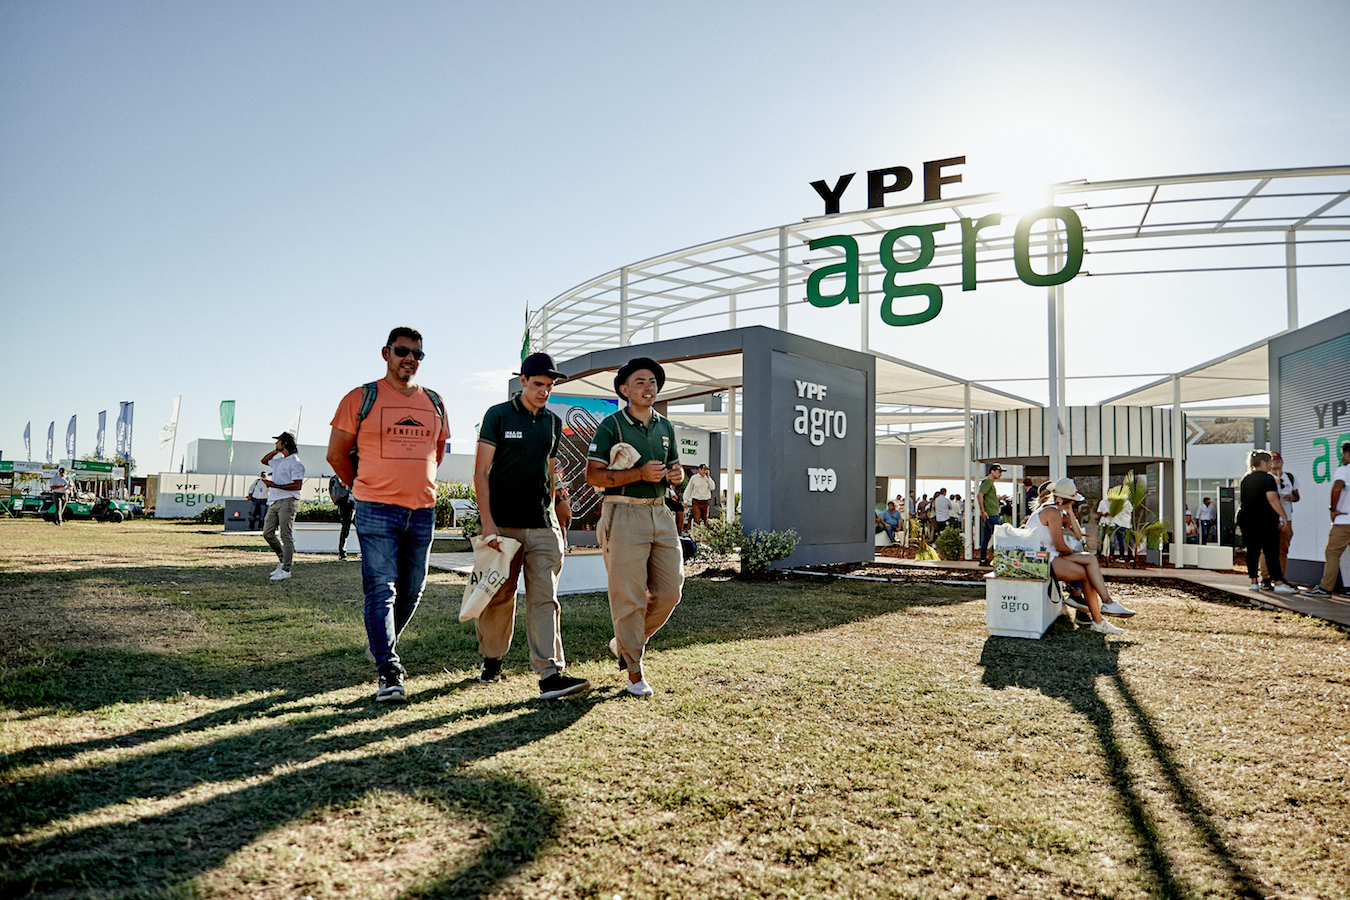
(401, 352)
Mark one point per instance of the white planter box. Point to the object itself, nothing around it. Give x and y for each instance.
(583, 572)
(321, 537)
(1020, 607)
(1204, 556)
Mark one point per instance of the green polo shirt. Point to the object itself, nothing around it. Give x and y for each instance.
(654, 441)
(518, 482)
(989, 496)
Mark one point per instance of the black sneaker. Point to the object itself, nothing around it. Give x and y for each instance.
(1317, 592)
(559, 685)
(490, 671)
(1082, 617)
(1266, 585)
(391, 689)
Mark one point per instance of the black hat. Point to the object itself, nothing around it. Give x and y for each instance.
(539, 364)
(284, 436)
(642, 362)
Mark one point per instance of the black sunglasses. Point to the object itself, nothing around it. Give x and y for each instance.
(402, 351)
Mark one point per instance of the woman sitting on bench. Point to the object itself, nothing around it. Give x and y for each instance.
(1066, 565)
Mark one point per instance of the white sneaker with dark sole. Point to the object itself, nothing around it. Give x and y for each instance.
(639, 688)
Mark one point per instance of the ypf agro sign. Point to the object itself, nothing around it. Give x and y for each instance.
(884, 181)
(820, 485)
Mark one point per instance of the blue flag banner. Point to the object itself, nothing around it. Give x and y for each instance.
(123, 439)
(102, 431)
(28, 441)
(51, 436)
(70, 439)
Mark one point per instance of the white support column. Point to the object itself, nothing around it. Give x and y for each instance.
(1178, 473)
(623, 307)
(731, 311)
(1291, 276)
(783, 279)
(731, 453)
(1061, 416)
(1106, 486)
(965, 493)
(656, 330)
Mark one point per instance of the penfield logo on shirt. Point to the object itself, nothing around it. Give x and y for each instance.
(404, 435)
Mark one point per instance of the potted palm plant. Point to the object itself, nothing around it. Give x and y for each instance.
(1141, 533)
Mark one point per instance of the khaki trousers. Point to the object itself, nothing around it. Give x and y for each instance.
(1285, 537)
(281, 517)
(540, 558)
(645, 570)
(1337, 540)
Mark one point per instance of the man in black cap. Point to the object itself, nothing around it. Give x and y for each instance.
(989, 510)
(633, 457)
(283, 496)
(514, 477)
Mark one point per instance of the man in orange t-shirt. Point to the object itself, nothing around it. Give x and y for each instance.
(399, 442)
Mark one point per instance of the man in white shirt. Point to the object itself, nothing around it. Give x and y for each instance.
(1339, 536)
(283, 496)
(1122, 522)
(1207, 516)
(942, 511)
(700, 491)
(258, 494)
(60, 488)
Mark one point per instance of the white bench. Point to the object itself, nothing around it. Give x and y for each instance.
(1021, 607)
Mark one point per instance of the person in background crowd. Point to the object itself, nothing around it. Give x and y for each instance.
(987, 500)
(283, 500)
(700, 491)
(890, 520)
(1338, 538)
(942, 511)
(923, 511)
(1208, 516)
(1261, 519)
(1288, 490)
(61, 486)
(341, 496)
(393, 481)
(258, 494)
(1192, 530)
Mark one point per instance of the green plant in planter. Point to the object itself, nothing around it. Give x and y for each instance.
(1142, 532)
(760, 548)
(950, 544)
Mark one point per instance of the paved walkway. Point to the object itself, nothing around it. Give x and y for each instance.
(1235, 583)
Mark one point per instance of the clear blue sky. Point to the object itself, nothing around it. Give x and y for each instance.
(239, 200)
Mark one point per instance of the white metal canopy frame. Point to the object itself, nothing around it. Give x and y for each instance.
(1270, 219)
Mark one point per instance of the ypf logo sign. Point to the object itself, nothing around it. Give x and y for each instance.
(821, 480)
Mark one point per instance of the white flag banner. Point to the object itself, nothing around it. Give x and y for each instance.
(170, 429)
(294, 427)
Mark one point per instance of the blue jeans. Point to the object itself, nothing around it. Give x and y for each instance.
(986, 533)
(395, 552)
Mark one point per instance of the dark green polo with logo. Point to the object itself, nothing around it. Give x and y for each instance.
(655, 440)
(518, 481)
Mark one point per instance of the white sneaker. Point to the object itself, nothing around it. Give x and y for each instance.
(280, 575)
(1115, 609)
(1285, 589)
(281, 567)
(1254, 586)
(1105, 627)
(639, 688)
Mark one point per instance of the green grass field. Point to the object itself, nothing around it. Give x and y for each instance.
(174, 725)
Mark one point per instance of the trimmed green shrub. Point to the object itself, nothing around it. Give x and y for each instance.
(950, 544)
(211, 515)
(760, 548)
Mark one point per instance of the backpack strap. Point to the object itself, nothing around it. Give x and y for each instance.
(369, 392)
(436, 402)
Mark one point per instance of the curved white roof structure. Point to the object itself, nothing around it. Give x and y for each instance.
(1290, 219)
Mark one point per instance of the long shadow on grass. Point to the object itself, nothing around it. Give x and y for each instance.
(275, 777)
(1067, 664)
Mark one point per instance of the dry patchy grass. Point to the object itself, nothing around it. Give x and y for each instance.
(809, 739)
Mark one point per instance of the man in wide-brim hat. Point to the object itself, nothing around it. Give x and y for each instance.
(633, 458)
